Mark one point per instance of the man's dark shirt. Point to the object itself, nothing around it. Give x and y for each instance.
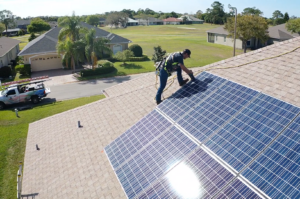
(176, 58)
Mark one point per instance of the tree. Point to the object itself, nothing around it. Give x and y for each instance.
(7, 18)
(199, 14)
(158, 54)
(286, 17)
(93, 20)
(116, 19)
(184, 19)
(252, 11)
(216, 14)
(129, 12)
(2, 28)
(293, 25)
(124, 56)
(248, 26)
(277, 17)
(38, 25)
(32, 37)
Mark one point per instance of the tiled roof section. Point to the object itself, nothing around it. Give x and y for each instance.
(172, 19)
(6, 44)
(71, 162)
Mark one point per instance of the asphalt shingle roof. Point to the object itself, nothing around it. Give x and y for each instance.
(47, 42)
(6, 44)
(71, 162)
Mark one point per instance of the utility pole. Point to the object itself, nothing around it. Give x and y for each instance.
(234, 37)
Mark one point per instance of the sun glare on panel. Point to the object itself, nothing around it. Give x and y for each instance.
(185, 182)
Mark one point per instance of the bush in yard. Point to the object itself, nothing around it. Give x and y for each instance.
(158, 54)
(21, 32)
(124, 56)
(5, 71)
(23, 69)
(32, 37)
(104, 63)
(98, 71)
(137, 50)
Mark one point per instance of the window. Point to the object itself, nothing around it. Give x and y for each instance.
(11, 92)
(216, 37)
(248, 43)
(224, 38)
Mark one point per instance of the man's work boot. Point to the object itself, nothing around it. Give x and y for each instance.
(183, 82)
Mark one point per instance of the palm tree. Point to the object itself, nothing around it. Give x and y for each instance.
(95, 46)
(7, 18)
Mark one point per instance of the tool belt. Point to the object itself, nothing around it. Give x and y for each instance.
(168, 64)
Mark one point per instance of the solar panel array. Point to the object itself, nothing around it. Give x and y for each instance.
(212, 139)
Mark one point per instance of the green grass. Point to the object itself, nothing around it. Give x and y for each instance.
(174, 38)
(23, 39)
(13, 134)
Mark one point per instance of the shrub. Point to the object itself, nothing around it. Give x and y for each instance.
(32, 37)
(158, 54)
(105, 63)
(21, 32)
(98, 71)
(5, 71)
(23, 69)
(123, 56)
(137, 50)
(143, 58)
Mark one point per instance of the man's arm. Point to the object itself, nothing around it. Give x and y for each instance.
(185, 69)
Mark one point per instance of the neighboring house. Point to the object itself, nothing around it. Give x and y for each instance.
(41, 52)
(276, 34)
(172, 21)
(9, 49)
(280, 33)
(22, 24)
(11, 32)
(191, 19)
(102, 22)
(150, 21)
(132, 22)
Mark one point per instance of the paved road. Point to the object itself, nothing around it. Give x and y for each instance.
(85, 88)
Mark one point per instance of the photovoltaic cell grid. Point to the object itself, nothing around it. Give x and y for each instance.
(237, 190)
(251, 130)
(217, 110)
(190, 95)
(135, 138)
(154, 161)
(199, 176)
(277, 170)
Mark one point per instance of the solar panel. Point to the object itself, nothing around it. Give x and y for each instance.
(216, 110)
(237, 190)
(136, 137)
(277, 170)
(190, 95)
(251, 130)
(153, 161)
(199, 176)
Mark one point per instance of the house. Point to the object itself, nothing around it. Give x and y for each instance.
(276, 34)
(132, 22)
(72, 162)
(9, 49)
(102, 22)
(41, 52)
(172, 21)
(280, 33)
(150, 21)
(11, 32)
(22, 24)
(191, 19)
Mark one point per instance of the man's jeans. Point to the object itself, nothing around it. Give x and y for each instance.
(163, 77)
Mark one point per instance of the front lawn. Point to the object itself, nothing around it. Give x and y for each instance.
(13, 134)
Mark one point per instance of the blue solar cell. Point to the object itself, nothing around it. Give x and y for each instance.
(277, 170)
(199, 176)
(136, 137)
(216, 110)
(237, 190)
(251, 130)
(190, 95)
(153, 161)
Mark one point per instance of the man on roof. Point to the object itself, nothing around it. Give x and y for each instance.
(174, 62)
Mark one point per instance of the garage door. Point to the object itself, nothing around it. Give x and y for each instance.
(117, 48)
(46, 63)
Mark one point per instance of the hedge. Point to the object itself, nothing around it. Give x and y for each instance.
(23, 69)
(5, 71)
(143, 58)
(137, 50)
(98, 71)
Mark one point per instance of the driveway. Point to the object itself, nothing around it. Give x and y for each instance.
(58, 77)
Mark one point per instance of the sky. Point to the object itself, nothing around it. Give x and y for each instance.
(33, 8)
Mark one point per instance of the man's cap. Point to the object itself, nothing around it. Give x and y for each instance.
(187, 51)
